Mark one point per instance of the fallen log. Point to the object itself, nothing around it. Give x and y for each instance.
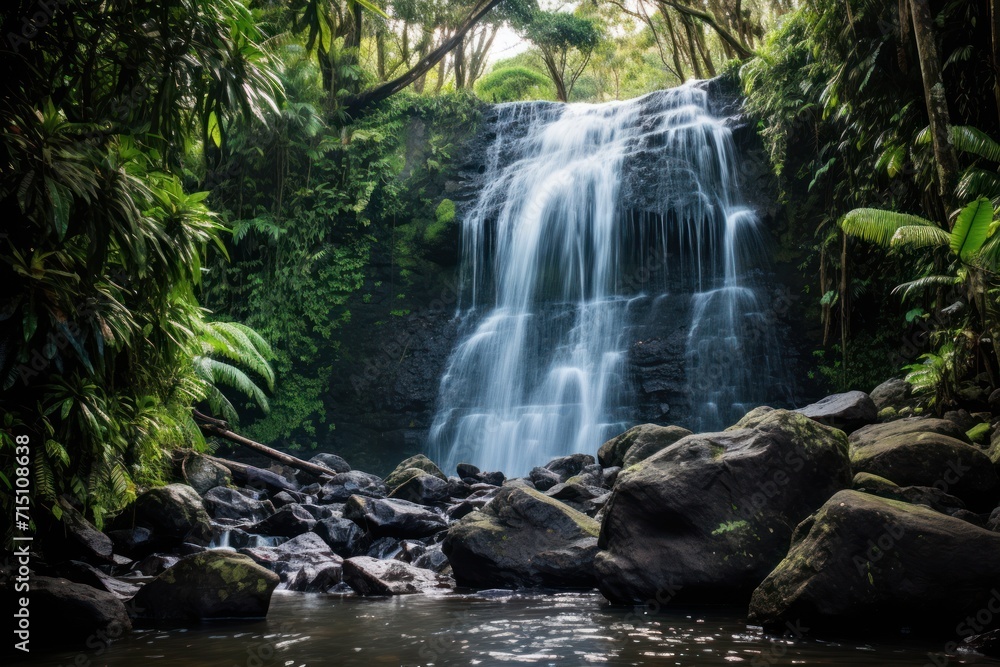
(254, 477)
(214, 428)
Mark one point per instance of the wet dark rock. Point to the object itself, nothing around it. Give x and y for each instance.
(544, 479)
(467, 506)
(987, 644)
(467, 470)
(961, 418)
(65, 614)
(331, 462)
(320, 512)
(567, 466)
(496, 478)
(421, 487)
(392, 517)
(151, 566)
(609, 476)
(523, 539)
(304, 563)
(371, 577)
(354, 483)
(73, 536)
(204, 474)
(710, 516)
(458, 488)
(209, 585)
(383, 548)
(289, 521)
(83, 573)
(343, 536)
(410, 550)
(863, 562)
(287, 498)
(911, 457)
(173, 513)
(226, 503)
(643, 441)
(848, 411)
(133, 542)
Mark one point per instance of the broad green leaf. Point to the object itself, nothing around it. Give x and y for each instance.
(213, 130)
(972, 228)
(60, 198)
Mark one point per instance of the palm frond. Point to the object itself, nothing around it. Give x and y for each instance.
(924, 283)
(920, 236)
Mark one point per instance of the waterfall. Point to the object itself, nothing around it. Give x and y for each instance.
(582, 212)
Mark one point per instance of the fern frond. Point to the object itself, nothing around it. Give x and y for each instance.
(922, 284)
(878, 226)
(920, 236)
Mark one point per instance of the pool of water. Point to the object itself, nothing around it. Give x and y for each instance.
(490, 629)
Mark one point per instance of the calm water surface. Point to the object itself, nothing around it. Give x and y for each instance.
(558, 629)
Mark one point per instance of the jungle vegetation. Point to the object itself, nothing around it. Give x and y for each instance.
(194, 190)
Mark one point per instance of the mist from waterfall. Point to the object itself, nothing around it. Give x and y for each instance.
(557, 248)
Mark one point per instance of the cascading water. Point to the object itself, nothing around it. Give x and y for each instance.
(582, 211)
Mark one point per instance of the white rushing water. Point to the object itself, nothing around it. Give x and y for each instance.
(553, 257)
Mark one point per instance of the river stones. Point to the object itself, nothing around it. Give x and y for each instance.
(567, 466)
(848, 411)
(418, 462)
(523, 538)
(544, 479)
(342, 535)
(709, 517)
(64, 614)
(331, 462)
(372, 577)
(174, 514)
(204, 474)
(863, 562)
(290, 521)
(354, 483)
(642, 441)
(421, 487)
(225, 503)
(208, 585)
(304, 563)
(392, 517)
(914, 452)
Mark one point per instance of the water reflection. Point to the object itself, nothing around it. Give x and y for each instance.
(494, 628)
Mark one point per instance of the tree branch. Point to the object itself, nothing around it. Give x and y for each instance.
(705, 17)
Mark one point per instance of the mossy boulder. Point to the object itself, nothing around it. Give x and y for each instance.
(403, 471)
(204, 474)
(906, 453)
(421, 487)
(208, 585)
(644, 439)
(523, 539)
(864, 563)
(174, 514)
(709, 517)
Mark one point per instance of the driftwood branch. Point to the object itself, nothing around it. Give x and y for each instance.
(212, 427)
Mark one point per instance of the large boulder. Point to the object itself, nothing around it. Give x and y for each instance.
(911, 456)
(523, 538)
(224, 503)
(84, 573)
(421, 487)
(72, 536)
(208, 585)
(331, 462)
(709, 517)
(644, 439)
(204, 474)
(373, 577)
(419, 462)
(64, 614)
(848, 411)
(895, 393)
(874, 432)
(304, 563)
(290, 521)
(174, 514)
(355, 483)
(864, 562)
(342, 535)
(391, 517)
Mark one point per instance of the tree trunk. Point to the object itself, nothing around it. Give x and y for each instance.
(357, 103)
(711, 22)
(460, 65)
(380, 55)
(288, 460)
(692, 49)
(905, 35)
(677, 48)
(936, 99)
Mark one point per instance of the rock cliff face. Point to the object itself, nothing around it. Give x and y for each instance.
(395, 350)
